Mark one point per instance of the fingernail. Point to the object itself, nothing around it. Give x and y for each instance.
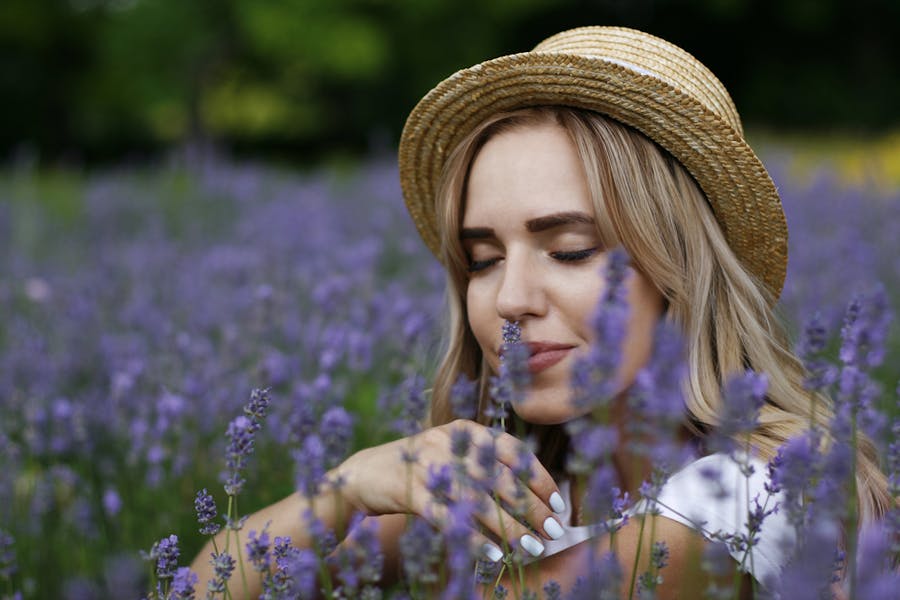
(553, 528)
(556, 503)
(531, 545)
(492, 552)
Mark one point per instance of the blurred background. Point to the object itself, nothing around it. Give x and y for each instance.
(84, 82)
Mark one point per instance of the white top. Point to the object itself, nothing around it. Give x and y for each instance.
(708, 505)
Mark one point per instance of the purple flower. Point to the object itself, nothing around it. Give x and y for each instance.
(440, 483)
(821, 373)
(875, 571)
(183, 584)
(865, 329)
(603, 581)
(512, 332)
(310, 465)
(336, 431)
(205, 507)
(552, 590)
(240, 434)
(258, 550)
(303, 569)
(166, 554)
(420, 550)
(223, 566)
(658, 398)
(594, 376)
(811, 570)
(592, 443)
(258, 406)
(742, 398)
(413, 404)
(460, 442)
(8, 565)
(464, 398)
(112, 502)
(792, 472)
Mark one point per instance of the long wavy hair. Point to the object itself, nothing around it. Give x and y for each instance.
(645, 201)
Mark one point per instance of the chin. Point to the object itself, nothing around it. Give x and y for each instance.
(546, 411)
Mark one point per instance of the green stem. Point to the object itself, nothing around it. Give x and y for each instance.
(324, 573)
(237, 542)
(637, 555)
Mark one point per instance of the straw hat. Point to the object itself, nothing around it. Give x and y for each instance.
(635, 78)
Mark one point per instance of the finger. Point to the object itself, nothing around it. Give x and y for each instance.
(514, 453)
(501, 525)
(451, 522)
(521, 502)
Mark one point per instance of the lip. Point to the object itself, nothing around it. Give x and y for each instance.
(543, 355)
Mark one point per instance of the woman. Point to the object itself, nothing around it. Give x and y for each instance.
(522, 174)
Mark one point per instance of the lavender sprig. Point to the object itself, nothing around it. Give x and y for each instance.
(205, 507)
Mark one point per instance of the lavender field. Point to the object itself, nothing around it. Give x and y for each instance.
(140, 307)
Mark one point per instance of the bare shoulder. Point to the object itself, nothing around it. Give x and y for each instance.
(682, 576)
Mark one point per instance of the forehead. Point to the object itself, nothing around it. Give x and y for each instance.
(526, 172)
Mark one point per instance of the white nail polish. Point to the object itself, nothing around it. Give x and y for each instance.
(491, 552)
(553, 528)
(531, 545)
(556, 503)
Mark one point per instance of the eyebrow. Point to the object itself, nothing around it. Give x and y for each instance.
(558, 219)
(535, 225)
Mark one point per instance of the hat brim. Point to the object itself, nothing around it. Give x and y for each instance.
(739, 190)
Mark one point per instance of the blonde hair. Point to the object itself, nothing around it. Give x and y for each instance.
(645, 201)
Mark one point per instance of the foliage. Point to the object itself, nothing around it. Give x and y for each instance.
(93, 79)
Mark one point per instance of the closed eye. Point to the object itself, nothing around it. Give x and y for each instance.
(480, 265)
(574, 255)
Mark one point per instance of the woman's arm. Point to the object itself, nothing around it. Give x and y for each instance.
(682, 577)
(382, 482)
(284, 518)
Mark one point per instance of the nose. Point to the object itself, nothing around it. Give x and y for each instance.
(521, 293)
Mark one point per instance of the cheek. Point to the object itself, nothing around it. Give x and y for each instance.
(478, 315)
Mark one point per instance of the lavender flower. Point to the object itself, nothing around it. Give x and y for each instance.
(594, 375)
(464, 398)
(875, 570)
(512, 332)
(821, 373)
(552, 590)
(603, 581)
(457, 532)
(240, 434)
(865, 330)
(440, 483)
(742, 398)
(223, 567)
(336, 432)
(302, 570)
(183, 585)
(309, 462)
(166, 554)
(8, 565)
(258, 550)
(460, 442)
(650, 580)
(205, 507)
(420, 550)
(414, 405)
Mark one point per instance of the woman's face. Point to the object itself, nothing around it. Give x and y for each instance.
(535, 257)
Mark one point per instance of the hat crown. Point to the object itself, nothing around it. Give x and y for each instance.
(651, 56)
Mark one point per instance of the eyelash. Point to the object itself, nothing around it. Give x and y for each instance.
(566, 257)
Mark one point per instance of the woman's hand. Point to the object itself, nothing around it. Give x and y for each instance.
(379, 481)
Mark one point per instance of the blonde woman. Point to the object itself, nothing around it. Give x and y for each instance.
(522, 174)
